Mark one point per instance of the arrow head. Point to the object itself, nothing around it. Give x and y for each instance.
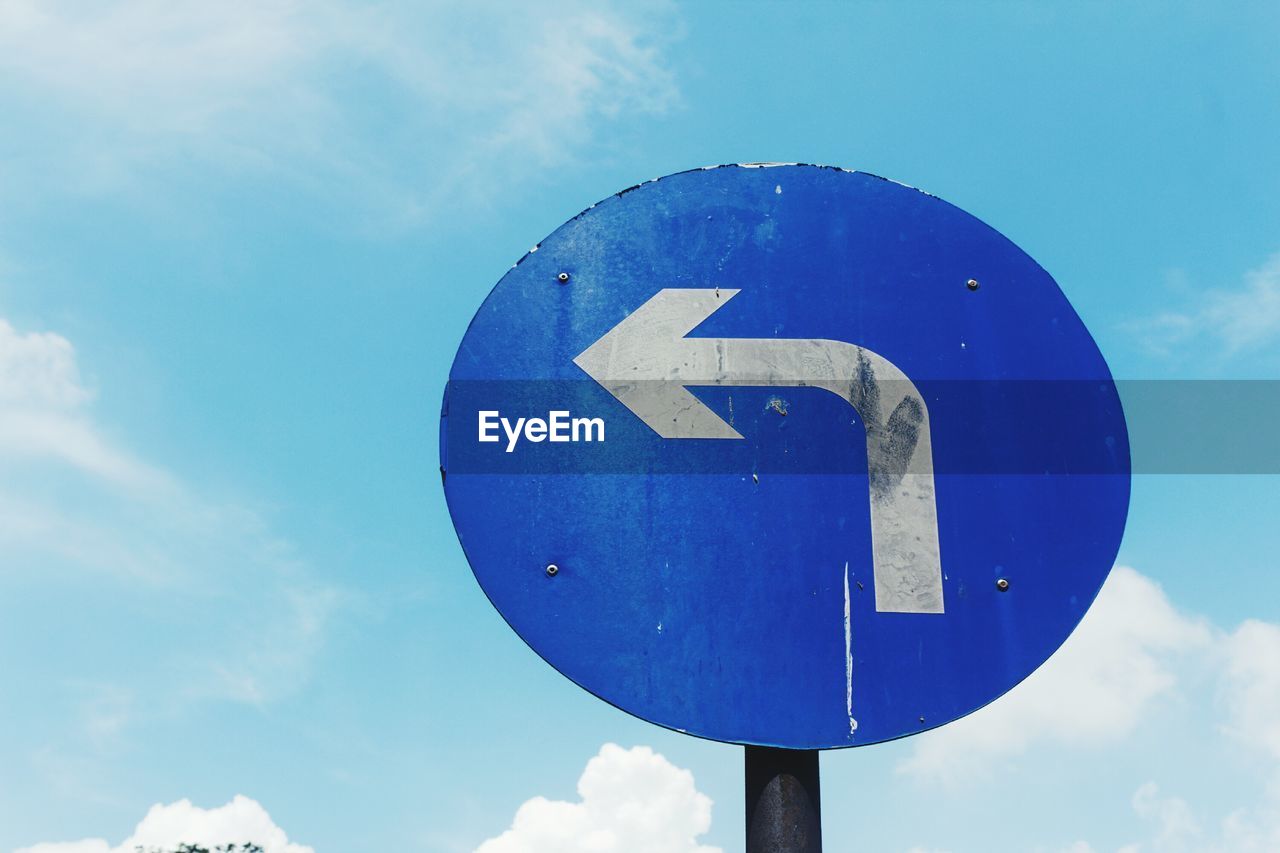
(646, 361)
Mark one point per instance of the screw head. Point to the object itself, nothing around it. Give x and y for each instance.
(553, 570)
(972, 284)
(563, 278)
(1002, 585)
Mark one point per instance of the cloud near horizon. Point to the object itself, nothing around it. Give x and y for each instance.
(1095, 689)
(1133, 651)
(167, 826)
(631, 801)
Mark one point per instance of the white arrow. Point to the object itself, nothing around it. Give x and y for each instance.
(646, 361)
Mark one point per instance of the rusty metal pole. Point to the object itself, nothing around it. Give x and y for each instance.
(784, 804)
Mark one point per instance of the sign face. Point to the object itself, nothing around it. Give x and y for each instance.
(785, 455)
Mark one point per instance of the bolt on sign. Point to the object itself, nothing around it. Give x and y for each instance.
(785, 456)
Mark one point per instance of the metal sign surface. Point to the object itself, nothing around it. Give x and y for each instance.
(785, 455)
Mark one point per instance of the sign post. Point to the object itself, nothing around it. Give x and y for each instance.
(785, 456)
(784, 803)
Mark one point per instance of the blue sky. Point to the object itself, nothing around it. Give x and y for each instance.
(239, 244)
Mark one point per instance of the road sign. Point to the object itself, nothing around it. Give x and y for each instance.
(785, 455)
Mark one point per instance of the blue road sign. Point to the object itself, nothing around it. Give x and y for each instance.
(785, 455)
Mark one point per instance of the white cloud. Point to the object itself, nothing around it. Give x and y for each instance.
(1174, 827)
(42, 411)
(1254, 829)
(239, 821)
(1248, 660)
(75, 504)
(1094, 690)
(1131, 651)
(1223, 322)
(1251, 686)
(1249, 317)
(402, 104)
(632, 801)
(38, 369)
